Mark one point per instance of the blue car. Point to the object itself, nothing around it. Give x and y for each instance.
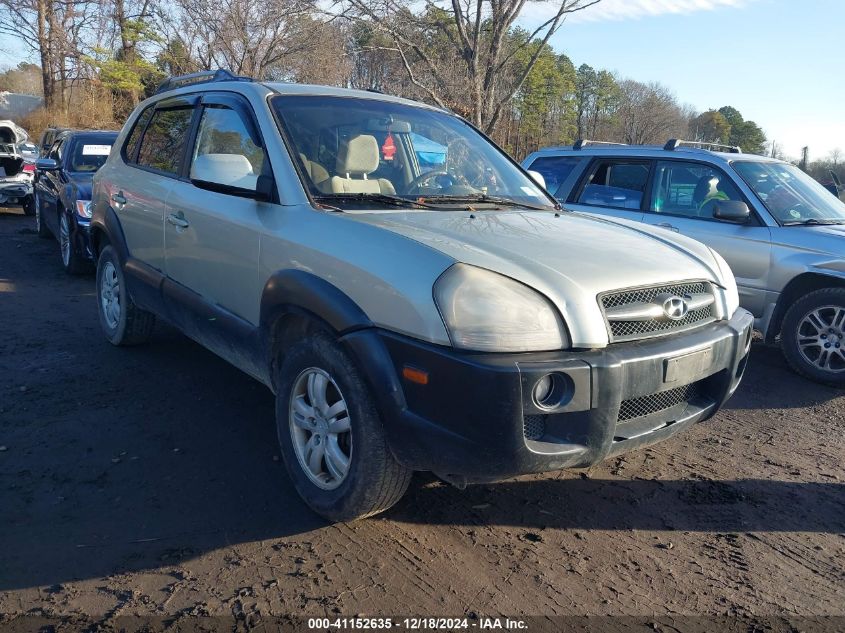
(63, 193)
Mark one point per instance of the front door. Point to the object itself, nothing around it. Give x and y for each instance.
(212, 237)
(683, 198)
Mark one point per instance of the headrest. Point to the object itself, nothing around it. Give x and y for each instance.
(225, 169)
(358, 155)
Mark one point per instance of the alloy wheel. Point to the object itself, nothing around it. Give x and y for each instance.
(320, 428)
(821, 338)
(110, 295)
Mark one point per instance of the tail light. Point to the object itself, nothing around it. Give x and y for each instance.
(29, 168)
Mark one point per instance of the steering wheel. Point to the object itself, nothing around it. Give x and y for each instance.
(414, 186)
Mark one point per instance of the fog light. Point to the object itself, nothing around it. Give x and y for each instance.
(552, 391)
(543, 388)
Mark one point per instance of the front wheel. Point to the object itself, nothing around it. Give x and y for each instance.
(123, 322)
(813, 336)
(40, 226)
(331, 435)
(28, 206)
(72, 262)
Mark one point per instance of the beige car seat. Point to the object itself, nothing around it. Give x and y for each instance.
(317, 173)
(358, 157)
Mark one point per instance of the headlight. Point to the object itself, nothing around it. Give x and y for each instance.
(83, 208)
(488, 312)
(728, 282)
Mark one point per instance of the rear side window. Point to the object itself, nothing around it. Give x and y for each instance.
(555, 170)
(616, 183)
(164, 140)
(130, 147)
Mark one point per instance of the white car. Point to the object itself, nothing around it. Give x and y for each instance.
(17, 169)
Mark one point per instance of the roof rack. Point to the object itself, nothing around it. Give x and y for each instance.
(583, 142)
(675, 143)
(205, 76)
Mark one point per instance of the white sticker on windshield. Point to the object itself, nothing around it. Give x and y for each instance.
(96, 150)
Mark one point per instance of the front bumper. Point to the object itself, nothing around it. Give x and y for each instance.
(476, 419)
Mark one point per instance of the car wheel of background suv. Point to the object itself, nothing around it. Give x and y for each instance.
(122, 321)
(40, 227)
(331, 434)
(813, 336)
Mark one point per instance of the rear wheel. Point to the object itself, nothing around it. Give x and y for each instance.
(813, 336)
(72, 262)
(331, 434)
(123, 322)
(28, 206)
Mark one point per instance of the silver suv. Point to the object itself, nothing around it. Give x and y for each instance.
(781, 232)
(409, 294)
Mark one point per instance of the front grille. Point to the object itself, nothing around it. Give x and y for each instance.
(629, 330)
(646, 405)
(534, 426)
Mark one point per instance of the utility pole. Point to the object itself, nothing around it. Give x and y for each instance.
(805, 157)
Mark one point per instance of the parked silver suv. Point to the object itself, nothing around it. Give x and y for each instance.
(781, 232)
(409, 294)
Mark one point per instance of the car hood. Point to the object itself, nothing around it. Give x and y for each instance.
(570, 258)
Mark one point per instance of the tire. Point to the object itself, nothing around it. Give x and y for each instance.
(72, 262)
(28, 206)
(125, 323)
(40, 227)
(373, 480)
(813, 336)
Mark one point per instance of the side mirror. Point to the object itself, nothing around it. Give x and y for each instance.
(731, 211)
(537, 177)
(46, 164)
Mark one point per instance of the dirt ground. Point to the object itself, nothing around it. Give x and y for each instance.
(147, 482)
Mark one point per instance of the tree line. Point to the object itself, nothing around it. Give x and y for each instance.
(96, 59)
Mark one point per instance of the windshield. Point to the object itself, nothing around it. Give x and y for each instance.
(366, 152)
(89, 154)
(789, 194)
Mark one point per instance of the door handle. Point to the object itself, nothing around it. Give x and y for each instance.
(118, 198)
(666, 225)
(178, 221)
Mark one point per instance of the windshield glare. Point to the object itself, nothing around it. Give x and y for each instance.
(789, 194)
(349, 147)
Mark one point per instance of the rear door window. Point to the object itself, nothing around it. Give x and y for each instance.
(620, 184)
(164, 140)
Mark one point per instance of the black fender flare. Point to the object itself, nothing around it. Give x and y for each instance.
(300, 292)
(108, 225)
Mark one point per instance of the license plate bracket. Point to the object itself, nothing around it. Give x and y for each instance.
(687, 367)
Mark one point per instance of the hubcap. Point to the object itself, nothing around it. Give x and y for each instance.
(64, 239)
(821, 338)
(110, 295)
(320, 428)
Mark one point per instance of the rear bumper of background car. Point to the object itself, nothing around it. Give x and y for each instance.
(13, 191)
(476, 419)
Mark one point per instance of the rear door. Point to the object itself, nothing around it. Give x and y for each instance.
(155, 151)
(212, 237)
(615, 187)
(683, 197)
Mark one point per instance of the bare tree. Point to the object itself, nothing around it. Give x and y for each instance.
(251, 37)
(473, 33)
(648, 113)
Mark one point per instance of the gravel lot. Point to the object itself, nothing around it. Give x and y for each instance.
(147, 481)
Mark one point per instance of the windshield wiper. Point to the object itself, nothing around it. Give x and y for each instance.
(383, 198)
(812, 222)
(482, 198)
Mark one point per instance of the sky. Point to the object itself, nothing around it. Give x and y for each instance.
(781, 63)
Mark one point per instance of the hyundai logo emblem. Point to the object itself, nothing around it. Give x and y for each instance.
(675, 308)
